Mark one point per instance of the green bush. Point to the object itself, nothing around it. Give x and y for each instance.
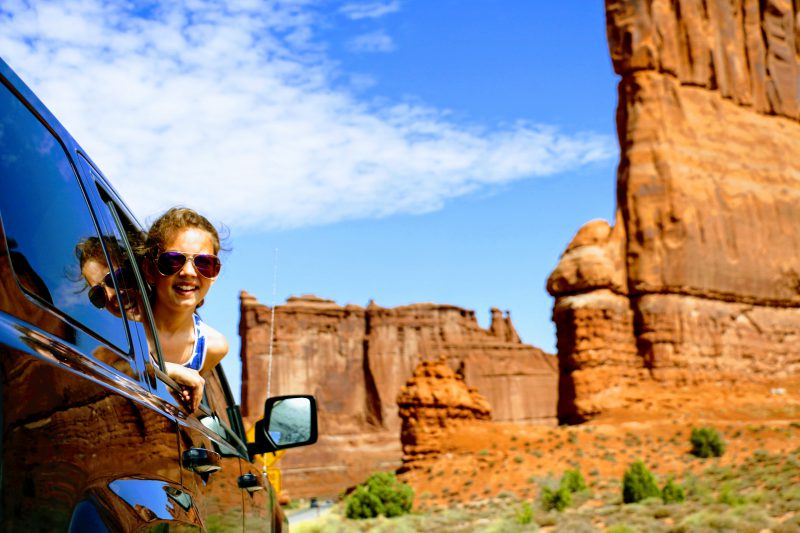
(382, 494)
(672, 492)
(706, 442)
(573, 481)
(524, 514)
(558, 499)
(638, 483)
(729, 496)
(362, 504)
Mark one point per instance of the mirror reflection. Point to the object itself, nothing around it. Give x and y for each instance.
(108, 288)
(290, 421)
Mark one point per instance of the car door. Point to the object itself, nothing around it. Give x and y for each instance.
(260, 507)
(211, 458)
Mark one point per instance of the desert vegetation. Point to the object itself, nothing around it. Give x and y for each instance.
(760, 494)
(573, 478)
(381, 495)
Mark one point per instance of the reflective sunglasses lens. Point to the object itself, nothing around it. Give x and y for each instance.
(169, 263)
(207, 265)
(97, 295)
(122, 276)
(125, 278)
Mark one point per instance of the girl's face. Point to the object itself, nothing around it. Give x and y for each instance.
(186, 288)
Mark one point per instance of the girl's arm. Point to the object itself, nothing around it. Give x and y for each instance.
(190, 381)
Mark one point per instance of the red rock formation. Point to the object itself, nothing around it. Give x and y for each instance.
(699, 278)
(355, 360)
(435, 399)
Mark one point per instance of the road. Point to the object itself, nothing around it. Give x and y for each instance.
(309, 514)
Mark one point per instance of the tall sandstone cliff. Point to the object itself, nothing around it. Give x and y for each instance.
(699, 278)
(355, 360)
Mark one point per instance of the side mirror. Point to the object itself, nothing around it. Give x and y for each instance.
(289, 421)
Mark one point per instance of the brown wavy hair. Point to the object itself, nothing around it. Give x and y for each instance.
(177, 218)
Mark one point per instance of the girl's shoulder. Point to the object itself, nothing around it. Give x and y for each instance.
(215, 341)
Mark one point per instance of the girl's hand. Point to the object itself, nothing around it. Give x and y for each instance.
(190, 382)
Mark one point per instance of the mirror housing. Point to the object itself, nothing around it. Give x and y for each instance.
(289, 422)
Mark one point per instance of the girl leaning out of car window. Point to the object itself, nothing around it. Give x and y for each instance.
(180, 265)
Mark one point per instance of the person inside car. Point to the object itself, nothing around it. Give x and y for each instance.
(181, 264)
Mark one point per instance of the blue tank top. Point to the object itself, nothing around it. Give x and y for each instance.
(199, 352)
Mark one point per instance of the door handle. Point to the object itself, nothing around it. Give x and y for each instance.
(250, 482)
(201, 460)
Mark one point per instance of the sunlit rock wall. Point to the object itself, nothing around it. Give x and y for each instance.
(699, 279)
(356, 359)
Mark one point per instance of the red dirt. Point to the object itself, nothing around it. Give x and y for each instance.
(485, 459)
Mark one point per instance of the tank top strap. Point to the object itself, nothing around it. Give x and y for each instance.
(199, 351)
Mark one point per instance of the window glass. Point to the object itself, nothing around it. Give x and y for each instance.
(215, 397)
(219, 422)
(55, 250)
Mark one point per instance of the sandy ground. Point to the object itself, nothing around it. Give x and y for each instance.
(652, 424)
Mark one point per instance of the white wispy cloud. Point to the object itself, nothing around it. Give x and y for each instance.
(369, 10)
(376, 41)
(232, 108)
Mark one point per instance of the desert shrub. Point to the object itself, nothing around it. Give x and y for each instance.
(524, 514)
(558, 499)
(638, 483)
(729, 496)
(362, 504)
(739, 519)
(382, 494)
(573, 481)
(672, 492)
(706, 442)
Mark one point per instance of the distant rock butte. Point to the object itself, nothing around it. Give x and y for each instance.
(435, 399)
(699, 278)
(355, 360)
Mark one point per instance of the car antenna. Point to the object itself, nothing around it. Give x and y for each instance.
(272, 322)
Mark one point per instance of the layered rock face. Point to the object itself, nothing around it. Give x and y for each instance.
(699, 278)
(435, 399)
(355, 361)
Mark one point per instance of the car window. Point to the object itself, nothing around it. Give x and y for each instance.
(215, 397)
(56, 253)
(214, 400)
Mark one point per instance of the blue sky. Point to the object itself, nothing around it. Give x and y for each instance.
(396, 150)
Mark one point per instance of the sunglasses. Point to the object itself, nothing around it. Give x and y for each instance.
(207, 265)
(97, 294)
